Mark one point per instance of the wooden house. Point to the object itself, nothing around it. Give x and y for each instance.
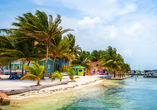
(79, 70)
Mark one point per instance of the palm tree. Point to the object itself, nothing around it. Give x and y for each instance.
(57, 75)
(71, 73)
(75, 50)
(110, 59)
(60, 49)
(6, 43)
(41, 27)
(94, 55)
(82, 60)
(36, 73)
(72, 41)
(21, 50)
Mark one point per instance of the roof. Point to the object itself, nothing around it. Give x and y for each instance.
(77, 66)
(45, 59)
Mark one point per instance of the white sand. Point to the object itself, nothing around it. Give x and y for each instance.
(82, 81)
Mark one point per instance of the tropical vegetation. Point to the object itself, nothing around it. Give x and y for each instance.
(57, 75)
(36, 72)
(71, 73)
(40, 36)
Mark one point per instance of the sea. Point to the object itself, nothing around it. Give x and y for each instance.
(127, 94)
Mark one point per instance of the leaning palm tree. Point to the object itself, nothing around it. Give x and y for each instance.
(6, 42)
(41, 27)
(36, 72)
(20, 50)
(59, 50)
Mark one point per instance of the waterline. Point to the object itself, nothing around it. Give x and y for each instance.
(109, 95)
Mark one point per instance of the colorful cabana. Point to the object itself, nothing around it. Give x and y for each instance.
(79, 70)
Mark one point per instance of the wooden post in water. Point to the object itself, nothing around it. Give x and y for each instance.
(135, 77)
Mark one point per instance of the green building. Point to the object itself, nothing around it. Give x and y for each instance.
(79, 70)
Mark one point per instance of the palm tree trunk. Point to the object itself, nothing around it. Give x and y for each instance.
(23, 68)
(53, 65)
(114, 74)
(10, 68)
(38, 82)
(64, 66)
(28, 63)
(111, 70)
(47, 52)
(122, 75)
(68, 63)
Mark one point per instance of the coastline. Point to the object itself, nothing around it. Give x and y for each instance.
(60, 97)
(45, 92)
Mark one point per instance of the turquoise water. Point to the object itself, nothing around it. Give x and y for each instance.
(127, 94)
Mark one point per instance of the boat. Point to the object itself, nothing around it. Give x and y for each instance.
(4, 99)
(150, 74)
(106, 77)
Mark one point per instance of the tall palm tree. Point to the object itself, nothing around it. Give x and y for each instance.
(82, 60)
(60, 49)
(6, 43)
(94, 55)
(21, 50)
(110, 59)
(41, 27)
(75, 50)
(36, 72)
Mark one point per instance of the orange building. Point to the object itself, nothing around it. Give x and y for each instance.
(93, 64)
(95, 69)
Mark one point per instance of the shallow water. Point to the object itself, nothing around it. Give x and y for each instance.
(128, 94)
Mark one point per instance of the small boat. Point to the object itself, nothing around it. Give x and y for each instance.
(106, 77)
(152, 74)
(4, 99)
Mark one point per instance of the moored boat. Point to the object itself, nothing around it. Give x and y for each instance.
(152, 74)
(106, 77)
(4, 99)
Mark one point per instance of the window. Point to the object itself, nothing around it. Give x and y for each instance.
(48, 66)
(80, 70)
(96, 64)
(93, 64)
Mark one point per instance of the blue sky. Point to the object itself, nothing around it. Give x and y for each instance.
(130, 26)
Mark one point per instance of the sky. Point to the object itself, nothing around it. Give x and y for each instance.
(130, 26)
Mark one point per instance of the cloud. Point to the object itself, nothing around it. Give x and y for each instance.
(71, 23)
(106, 9)
(129, 26)
(87, 22)
(127, 52)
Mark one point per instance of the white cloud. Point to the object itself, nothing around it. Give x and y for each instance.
(106, 9)
(128, 26)
(71, 23)
(87, 22)
(127, 52)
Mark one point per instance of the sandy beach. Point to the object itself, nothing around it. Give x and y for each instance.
(80, 82)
